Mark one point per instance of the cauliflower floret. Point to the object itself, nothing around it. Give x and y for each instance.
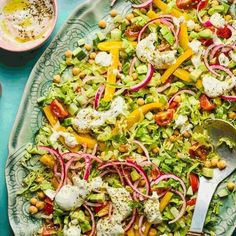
(223, 60)
(72, 231)
(217, 20)
(147, 52)
(103, 59)
(214, 87)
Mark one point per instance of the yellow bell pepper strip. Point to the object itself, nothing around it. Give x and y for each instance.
(108, 46)
(165, 9)
(152, 14)
(165, 200)
(199, 84)
(147, 228)
(187, 54)
(130, 232)
(80, 138)
(111, 76)
(183, 36)
(183, 75)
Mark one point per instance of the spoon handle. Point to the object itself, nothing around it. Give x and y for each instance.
(205, 193)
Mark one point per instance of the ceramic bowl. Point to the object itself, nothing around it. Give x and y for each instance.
(14, 47)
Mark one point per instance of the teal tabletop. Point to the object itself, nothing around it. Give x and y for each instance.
(14, 72)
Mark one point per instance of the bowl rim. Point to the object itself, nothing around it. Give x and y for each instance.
(10, 47)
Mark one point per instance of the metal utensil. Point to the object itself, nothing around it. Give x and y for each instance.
(216, 129)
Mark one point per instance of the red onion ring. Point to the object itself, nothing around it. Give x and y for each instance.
(145, 82)
(142, 5)
(171, 176)
(129, 225)
(140, 224)
(188, 91)
(214, 50)
(98, 96)
(143, 148)
(219, 67)
(229, 98)
(132, 65)
(59, 157)
(93, 221)
(130, 164)
(110, 210)
(207, 23)
(94, 204)
(183, 208)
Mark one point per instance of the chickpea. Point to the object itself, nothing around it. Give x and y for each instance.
(88, 47)
(143, 10)
(113, 13)
(140, 101)
(33, 210)
(57, 79)
(127, 22)
(207, 164)
(172, 138)
(39, 179)
(232, 115)
(75, 71)
(221, 164)
(142, 183)
(33, 201)
(130, 16)
(123, 148)
(176, 132)
(228, 17)
(205, 18)
(91, 61)
(139, 150)
(41, 195)
(40, 205)
(197, 27)
(152, 232)
(82, 74)
(92, 55)
(214, 162)
(177, 99)
(68, 61)
(231, 186)
(156, 150)
(186, 134)
(135, 76)
(214, 3)
(102, 24)
(68, 53)
(103, 154)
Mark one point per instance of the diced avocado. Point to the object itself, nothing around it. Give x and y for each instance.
(142, 69)
(81, 99)
(149, 116)
(125, 68)
(195, 74)
(96, 41)
(232, 64)
(168, 36)
(114, 182)
(78, 215)
(194, 35)
(101, 36)
(72, 108)
(97, 197)
(117, 19)
(79, 53)
(68, 121)
(226, 7)
(155, 80)
(207, 172)
(41, 99)
(216, 9)
(207, 33)
(190, 191)
(174, 211)
(85, 226)
(116, 34)
(81, 42)
(134, 175)
(223, 192)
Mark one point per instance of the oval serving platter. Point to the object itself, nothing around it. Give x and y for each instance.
(81, 24)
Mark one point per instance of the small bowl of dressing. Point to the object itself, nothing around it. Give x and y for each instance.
(26, 24)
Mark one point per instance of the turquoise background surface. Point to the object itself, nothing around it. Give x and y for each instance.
(14, 72)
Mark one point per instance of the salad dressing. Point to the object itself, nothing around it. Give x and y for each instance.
(25, 21)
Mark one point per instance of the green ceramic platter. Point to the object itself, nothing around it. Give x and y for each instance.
(82, 24)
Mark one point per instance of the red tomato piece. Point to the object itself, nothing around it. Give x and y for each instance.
(173, 105)
(206, 104)
(190, 4)
(191, 202)
(163, 118)
(206, 42)
(99, 208)
(49, 230)
(198, 150)
(48, 208)
(194, 182)
(58, 110)
(224, 32)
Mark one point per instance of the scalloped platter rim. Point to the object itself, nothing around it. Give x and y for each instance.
(81, 24)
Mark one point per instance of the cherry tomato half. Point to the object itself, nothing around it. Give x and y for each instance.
(191, 202)
(197, 150)
(48, 208)
(173, 105)
(206, 104)
(58, 110)
(49, 230)
(224, 32)
(194, 182)
(190, 4)
(163, 118)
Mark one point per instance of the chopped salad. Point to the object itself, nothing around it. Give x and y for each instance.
(120, 151)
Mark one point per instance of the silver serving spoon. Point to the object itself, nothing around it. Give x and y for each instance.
(216, 129)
